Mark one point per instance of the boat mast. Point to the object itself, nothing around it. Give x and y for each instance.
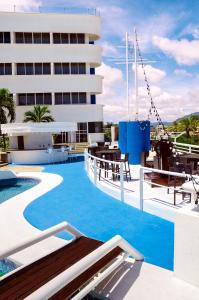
(127, 77)
(136, 75)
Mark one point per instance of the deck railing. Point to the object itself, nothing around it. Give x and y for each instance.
(186, 148)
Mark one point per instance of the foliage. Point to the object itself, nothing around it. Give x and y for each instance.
(38, 114)
(4, 143)
(194, 140)
(7, 106)
(189, 125)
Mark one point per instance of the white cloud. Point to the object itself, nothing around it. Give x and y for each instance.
(182, 73)
(108, 49)
(20, 5)
(183, 51)
(154, 75)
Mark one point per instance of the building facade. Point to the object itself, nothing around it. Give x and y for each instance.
(50, 59)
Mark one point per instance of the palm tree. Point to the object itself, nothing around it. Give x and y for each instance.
(7, 109)
(189, 124)
(38, 114)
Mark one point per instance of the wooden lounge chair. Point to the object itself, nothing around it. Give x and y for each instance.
(70, 272)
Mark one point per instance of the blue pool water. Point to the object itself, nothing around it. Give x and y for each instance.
(100, 216)
(15, 187)
(6, 266)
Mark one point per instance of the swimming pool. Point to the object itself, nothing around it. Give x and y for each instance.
(6, 266)
(8, 191)
(100, 216)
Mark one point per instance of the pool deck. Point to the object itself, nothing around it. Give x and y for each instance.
(131, 281)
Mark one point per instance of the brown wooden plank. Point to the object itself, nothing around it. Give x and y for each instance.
(27, 280)
(30, 278)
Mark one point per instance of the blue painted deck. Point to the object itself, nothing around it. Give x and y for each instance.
(100, 216)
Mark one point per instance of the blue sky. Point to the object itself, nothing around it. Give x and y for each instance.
(169, 34)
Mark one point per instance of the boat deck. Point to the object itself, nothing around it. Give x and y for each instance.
(25, 281)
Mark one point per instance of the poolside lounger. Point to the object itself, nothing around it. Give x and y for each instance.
(67, 271)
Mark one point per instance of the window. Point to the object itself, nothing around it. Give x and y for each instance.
(20, 69)
(75, 98)
(56, 38)
(30, 99)
(95, 127)
(19, 38)
(82, 98)
(74, 68)
(46, 68)
(66, 98)
(6, 69)
(29, 69)
(64, 38)
(58, 98)
(38, 68)
(39, 99)
(28, 37)
(45, 38)
(22, 99)
(73, 38)
(82, 68)
(80, 38)
(58, 68)
(47, 99)
(5, 37)
(65, 68)
(37, 37)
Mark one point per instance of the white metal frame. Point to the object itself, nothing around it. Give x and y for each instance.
(57, 283)
(187, 148)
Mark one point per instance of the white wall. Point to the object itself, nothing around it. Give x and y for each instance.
(52, 22)
(51, 53)
(52, 83)
(69, 113)
(186, 254)
(95, 137)
(36, 141)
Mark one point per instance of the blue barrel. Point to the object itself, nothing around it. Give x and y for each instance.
(123, 137)
(134, 138)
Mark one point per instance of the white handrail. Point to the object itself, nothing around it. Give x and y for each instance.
(56, 284)
(187, 147)
(64, 226)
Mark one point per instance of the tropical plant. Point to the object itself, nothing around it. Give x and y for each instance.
(188, 124)
(38, 114)
(7, 109)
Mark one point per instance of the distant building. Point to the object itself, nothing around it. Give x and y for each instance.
(50, 59)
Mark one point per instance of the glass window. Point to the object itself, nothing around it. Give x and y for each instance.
(64, 38)
(95, 127)
(58, 68)
(80, 38)
(39, 99)
(58, 98)
(19, 37)
(75, 98)
(20, 69)
(66, 98)
(8, 69)
(37, 37)
(82, 126)
(73, 38)
(30, 99)
(82, 98)
(82, 68)
(47, 99)
(1, 69)
(38, 68)
(46, 68)
(56, 38)
(1, 37)
(74, 68)
(29, 69)
(45, 38)
(28, 37)
(65, 68)
(7, 37)
(22, 99)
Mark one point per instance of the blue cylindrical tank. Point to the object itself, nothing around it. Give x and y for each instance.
(123, 137)
(134, 138)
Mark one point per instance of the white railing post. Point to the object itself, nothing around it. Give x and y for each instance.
(190, 149)
(141, 188)
(95, 171)
(122, 181)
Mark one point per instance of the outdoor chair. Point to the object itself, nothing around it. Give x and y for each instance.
(126, 170)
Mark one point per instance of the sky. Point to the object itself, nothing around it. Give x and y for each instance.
(168, 34)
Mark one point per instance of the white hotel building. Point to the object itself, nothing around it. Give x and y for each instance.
(50, 59)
